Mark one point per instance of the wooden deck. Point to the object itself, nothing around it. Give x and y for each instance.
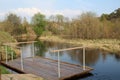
(20, 77)
(48, 68)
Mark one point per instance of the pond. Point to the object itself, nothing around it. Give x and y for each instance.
(106, 65)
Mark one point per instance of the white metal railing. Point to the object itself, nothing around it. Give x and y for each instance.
(59, 64)
(33, 50)
(61, 50)
(83, 57)
(11, 54)
(21, 54)
(6, 53)
(33, 54)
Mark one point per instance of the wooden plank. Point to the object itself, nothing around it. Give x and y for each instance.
(47, 68)
(54, 62)
(65, 49)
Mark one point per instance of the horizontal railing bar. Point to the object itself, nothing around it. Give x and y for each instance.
(60, 50)
(13, 46)
(19, 43)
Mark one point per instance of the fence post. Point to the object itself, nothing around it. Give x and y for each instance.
(83, 57)
(6, 54)
(21, 59)
(58, 64)
(33, 50)
(12, 55)
(1, 56)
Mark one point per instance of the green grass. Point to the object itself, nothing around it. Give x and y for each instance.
(4, 70)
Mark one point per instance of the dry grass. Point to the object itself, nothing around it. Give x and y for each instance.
(111, 45)
(4, 38)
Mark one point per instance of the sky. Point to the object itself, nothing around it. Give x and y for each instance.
(68, 8)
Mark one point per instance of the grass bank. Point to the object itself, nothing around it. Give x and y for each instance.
(5, 38)
(4, 70)
(111, 45)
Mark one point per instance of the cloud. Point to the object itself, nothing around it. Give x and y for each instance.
(2, 15)
(26, 11)
(29, 12)
(22, 12)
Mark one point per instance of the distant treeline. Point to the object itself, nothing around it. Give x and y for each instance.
(85, 26)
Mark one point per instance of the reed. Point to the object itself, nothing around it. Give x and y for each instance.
(111, 45)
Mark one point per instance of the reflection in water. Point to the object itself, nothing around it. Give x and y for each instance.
(106, 64)
(117, 57)
(43, 49)
(40, 48)
(26, 50)
(91, 56)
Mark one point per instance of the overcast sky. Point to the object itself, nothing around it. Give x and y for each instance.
(69, 8)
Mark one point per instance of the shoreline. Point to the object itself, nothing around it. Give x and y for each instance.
(110, 45)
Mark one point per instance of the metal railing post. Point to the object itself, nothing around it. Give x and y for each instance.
(58, 64)
(1, 56)
(21, 59)
(6, 54)
(83, 57)
(33, 50)
(12, 55)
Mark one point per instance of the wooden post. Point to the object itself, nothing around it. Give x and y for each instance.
(21, 59)
(58, 64)
(83, 57)
(6, 55)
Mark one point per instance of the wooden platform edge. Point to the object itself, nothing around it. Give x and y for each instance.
(76, 76)
(12, 68)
